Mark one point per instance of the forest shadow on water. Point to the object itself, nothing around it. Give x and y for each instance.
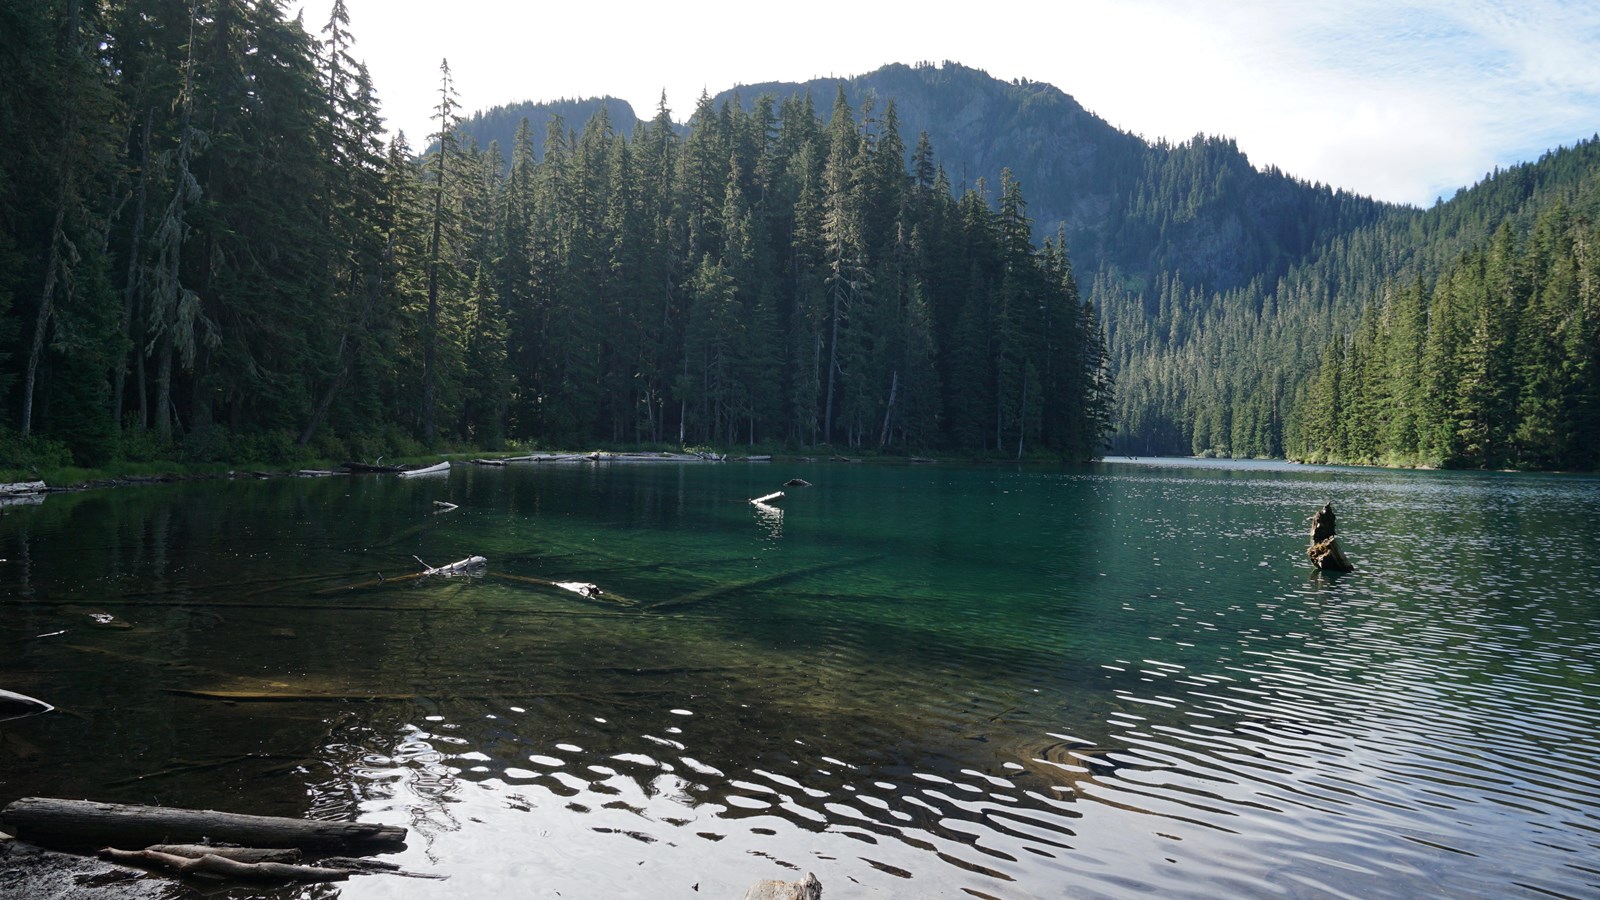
(912, 681)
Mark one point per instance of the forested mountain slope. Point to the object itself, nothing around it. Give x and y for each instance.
(207, 250)
(1227, 372)
(1197, 207)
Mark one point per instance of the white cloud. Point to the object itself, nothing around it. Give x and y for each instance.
(1399, 100)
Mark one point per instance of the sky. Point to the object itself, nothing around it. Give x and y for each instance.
(1403, 101)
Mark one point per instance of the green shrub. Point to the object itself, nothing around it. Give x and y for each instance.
(26, 457)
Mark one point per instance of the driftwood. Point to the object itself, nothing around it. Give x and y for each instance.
(808, 888)
(15, 706)
(237, 854)
(1324, 550)
(84, 823)
(472, 565)
(216, 866)
(436, 468)
(444, 506)
(769, 498)
(797, 482)
(23, 487)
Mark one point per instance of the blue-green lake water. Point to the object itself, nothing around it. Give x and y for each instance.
(914, 681)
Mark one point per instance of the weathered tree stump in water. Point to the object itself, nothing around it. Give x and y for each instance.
(83, 823)
(1324, 550)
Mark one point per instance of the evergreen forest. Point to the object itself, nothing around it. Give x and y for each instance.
(212, 249)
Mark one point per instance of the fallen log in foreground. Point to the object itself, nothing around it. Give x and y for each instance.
(84, 823)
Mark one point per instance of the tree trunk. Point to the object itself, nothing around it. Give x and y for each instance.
(164, 388)
(1022, 416)
(80, 823)
(833, 365)
(888, 412)
(46, 306)
(58, 236)
(130, 287)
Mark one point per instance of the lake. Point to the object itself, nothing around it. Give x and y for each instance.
(914, 681)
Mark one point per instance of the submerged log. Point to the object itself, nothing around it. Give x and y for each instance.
(84, 823)
(760, 582)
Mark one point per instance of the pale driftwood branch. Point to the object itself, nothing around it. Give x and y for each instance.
(212, 864)
(426, 470)
(472, 565)
(237, 854)
(85, 823)
(769, 498)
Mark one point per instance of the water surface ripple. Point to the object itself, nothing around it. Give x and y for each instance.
(1107, 681)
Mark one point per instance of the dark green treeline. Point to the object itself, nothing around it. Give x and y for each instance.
(209, 250)
(1235, 372)
(1493, 364)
